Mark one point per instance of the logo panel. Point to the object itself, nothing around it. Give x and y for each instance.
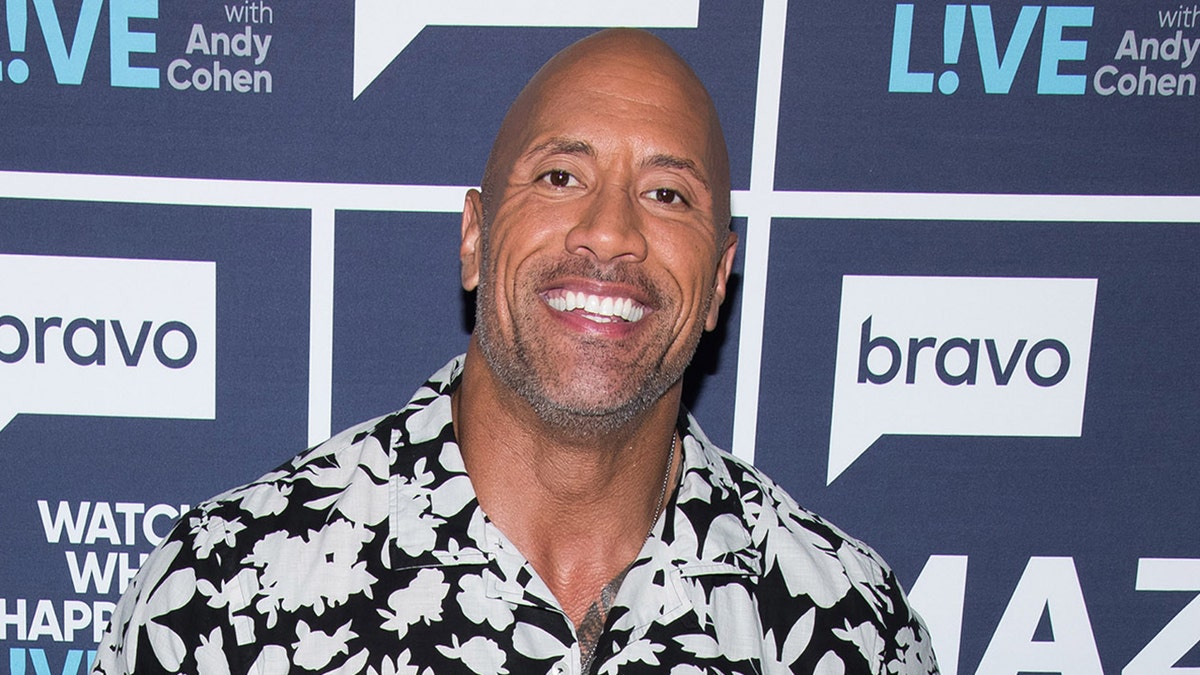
(107, 336)
(958, 356)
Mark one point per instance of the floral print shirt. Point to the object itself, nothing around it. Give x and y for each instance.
(370, 554)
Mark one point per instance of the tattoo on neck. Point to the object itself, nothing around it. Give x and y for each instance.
(592, 626)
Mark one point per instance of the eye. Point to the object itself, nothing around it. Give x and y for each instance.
(667, 196)
(559, 178)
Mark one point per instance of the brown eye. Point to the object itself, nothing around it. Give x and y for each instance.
(558, 178)
(667, 196)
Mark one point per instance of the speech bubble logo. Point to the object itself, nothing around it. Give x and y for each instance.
(107, 337)
(383, 28)
(958, 356)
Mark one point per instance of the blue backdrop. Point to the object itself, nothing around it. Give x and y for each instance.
(904, 174)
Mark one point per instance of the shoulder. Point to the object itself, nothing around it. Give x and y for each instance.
(234, 563)
(768, 513)
(276, 555)
(772, 514)
(319, 476)
(798, 542)
(808, 569)
(341, 480)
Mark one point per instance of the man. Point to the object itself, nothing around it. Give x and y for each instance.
(542, 504)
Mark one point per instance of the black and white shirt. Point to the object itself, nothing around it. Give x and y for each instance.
(370, 554)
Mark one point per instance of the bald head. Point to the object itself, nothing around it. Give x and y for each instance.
(627, 65)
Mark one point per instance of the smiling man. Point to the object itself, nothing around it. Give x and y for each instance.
(543, 504)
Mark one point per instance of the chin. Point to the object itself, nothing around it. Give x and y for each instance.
(593, 410)
(588, 420)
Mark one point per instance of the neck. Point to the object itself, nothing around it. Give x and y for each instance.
(578, 506)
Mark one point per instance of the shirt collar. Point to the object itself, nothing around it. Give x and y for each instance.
(435, 518)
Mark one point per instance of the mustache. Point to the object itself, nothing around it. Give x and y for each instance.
(618, 273)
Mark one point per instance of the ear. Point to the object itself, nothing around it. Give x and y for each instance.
(470, 249)
(724, 268)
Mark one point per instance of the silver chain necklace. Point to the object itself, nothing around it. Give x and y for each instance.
(662, 494)
(608, 594)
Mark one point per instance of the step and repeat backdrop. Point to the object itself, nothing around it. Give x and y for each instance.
(963, 325)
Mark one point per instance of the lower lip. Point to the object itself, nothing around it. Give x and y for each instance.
(614, 329)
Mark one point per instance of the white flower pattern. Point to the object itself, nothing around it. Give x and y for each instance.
(369, 554)
(420, 602)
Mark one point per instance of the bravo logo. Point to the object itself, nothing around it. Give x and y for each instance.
(107, 336)
(383, 28)
(958, 356)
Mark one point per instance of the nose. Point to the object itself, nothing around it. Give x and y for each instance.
(609, 229)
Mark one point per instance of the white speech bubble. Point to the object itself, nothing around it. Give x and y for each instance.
(107, 336)
(1023, 385)
(383, 28)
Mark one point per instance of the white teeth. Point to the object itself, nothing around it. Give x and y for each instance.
(608, 306)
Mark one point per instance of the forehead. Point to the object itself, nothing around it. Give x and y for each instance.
(639, 99)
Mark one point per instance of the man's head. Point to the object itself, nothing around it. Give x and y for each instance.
(600, 245)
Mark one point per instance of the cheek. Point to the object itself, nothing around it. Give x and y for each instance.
(509, 267)
(525, 231)
(689, 262)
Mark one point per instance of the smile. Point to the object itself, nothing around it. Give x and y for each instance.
(598, 308)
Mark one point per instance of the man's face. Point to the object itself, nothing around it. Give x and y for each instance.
(602, 261)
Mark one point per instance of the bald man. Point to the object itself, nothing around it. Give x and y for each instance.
(543, 504)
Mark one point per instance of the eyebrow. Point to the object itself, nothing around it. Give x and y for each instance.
(679, 163)
(562, 146)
